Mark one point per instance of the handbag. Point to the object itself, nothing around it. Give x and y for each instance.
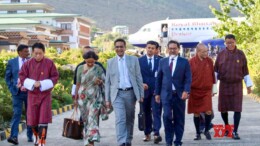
(141, 118)
(73, 128)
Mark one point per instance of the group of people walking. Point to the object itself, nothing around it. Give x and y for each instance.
(159, 84)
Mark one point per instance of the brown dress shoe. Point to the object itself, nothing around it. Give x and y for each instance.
(147, 138)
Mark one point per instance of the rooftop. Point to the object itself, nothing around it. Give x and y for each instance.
(22, 6)
(36, 15)
(13, 21)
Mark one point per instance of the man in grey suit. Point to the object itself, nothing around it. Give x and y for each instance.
(124, 85)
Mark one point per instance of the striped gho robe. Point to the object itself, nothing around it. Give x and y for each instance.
(231, 68)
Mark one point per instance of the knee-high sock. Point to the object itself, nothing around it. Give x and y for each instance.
(197, 124)
(35, 133)
(207, 121)
(225, 117)
(42, 134)
(237, 116)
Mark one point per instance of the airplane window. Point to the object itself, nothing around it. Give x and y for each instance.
(195, 28)
(179, 28)
(203, 28)
(188, 29)
(148, 29)
(144, 30)
(199, 28)
(207, 28)
(191, 28)
(176, 28)
(183, 28)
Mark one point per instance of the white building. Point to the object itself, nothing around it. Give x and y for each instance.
(124, 30)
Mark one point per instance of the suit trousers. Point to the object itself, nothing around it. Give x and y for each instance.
(157, 114)
(174, 118)
(147, 108)
(18, 102)
(124, 107)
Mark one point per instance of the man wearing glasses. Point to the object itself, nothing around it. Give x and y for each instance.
(172, 89)
(123, 86)
(231, 68)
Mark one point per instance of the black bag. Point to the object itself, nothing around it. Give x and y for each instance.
(73, 128)
(141, 118)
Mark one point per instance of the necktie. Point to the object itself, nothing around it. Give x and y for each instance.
(150, 64)
(171, 64)
(23, 60)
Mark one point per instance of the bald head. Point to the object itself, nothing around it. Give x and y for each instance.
(202, 51)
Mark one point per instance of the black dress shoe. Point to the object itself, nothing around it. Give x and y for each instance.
(128, 144)
(235, 136)
(207, 134)
(157, 139)
(197, 137)
(168, 145)
(13, 140)
(123, 144)
(177, 144)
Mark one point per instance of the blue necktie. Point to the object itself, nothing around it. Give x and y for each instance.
(150, 64)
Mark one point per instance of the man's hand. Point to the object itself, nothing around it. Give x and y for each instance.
(185, 95)
(145, 86)
(157, 98)
(249, 90)
(23, 89)
(141, 99)
(108, 104)
(98, 81)
(37, 84)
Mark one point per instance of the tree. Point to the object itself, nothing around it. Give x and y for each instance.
(247, 32)
(106, 41)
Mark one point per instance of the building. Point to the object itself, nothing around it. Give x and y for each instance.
(27, 23)
(124, 30)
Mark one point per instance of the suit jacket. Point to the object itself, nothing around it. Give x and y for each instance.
(148, 76)
(12, 75)
(181, 78)
(112, 77)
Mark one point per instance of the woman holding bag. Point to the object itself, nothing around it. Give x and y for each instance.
(90, 97)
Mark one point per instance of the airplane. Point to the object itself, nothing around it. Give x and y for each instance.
(189, 32)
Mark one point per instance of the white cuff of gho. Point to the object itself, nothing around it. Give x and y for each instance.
(29, 84)
(248, 81)
(46, 85)
(73, 89)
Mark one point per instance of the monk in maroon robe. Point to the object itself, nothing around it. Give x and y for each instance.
(38, 76)
(231, 68)
(203, 78)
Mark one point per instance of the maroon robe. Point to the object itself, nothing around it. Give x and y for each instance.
(203, 78)
(39, 103)
(231, 67)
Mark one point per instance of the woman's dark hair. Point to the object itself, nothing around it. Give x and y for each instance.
(90, 54)
(21, 47)
(39, 46)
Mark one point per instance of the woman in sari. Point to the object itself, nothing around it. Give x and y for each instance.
(90, 97)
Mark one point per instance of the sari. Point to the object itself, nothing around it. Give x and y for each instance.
(91, 100)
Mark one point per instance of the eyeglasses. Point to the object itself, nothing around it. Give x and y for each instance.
(119, 47)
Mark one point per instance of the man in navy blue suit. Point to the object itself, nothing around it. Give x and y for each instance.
(149, 68)
(172, 89)
(19, 95)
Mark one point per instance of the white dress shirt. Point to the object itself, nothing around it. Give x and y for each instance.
(152, 60)
(21, 62)
(173, 66)
(124, 80)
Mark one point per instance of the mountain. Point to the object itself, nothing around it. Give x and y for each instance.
(133, 13)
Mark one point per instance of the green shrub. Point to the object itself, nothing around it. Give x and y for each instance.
(55, 104)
